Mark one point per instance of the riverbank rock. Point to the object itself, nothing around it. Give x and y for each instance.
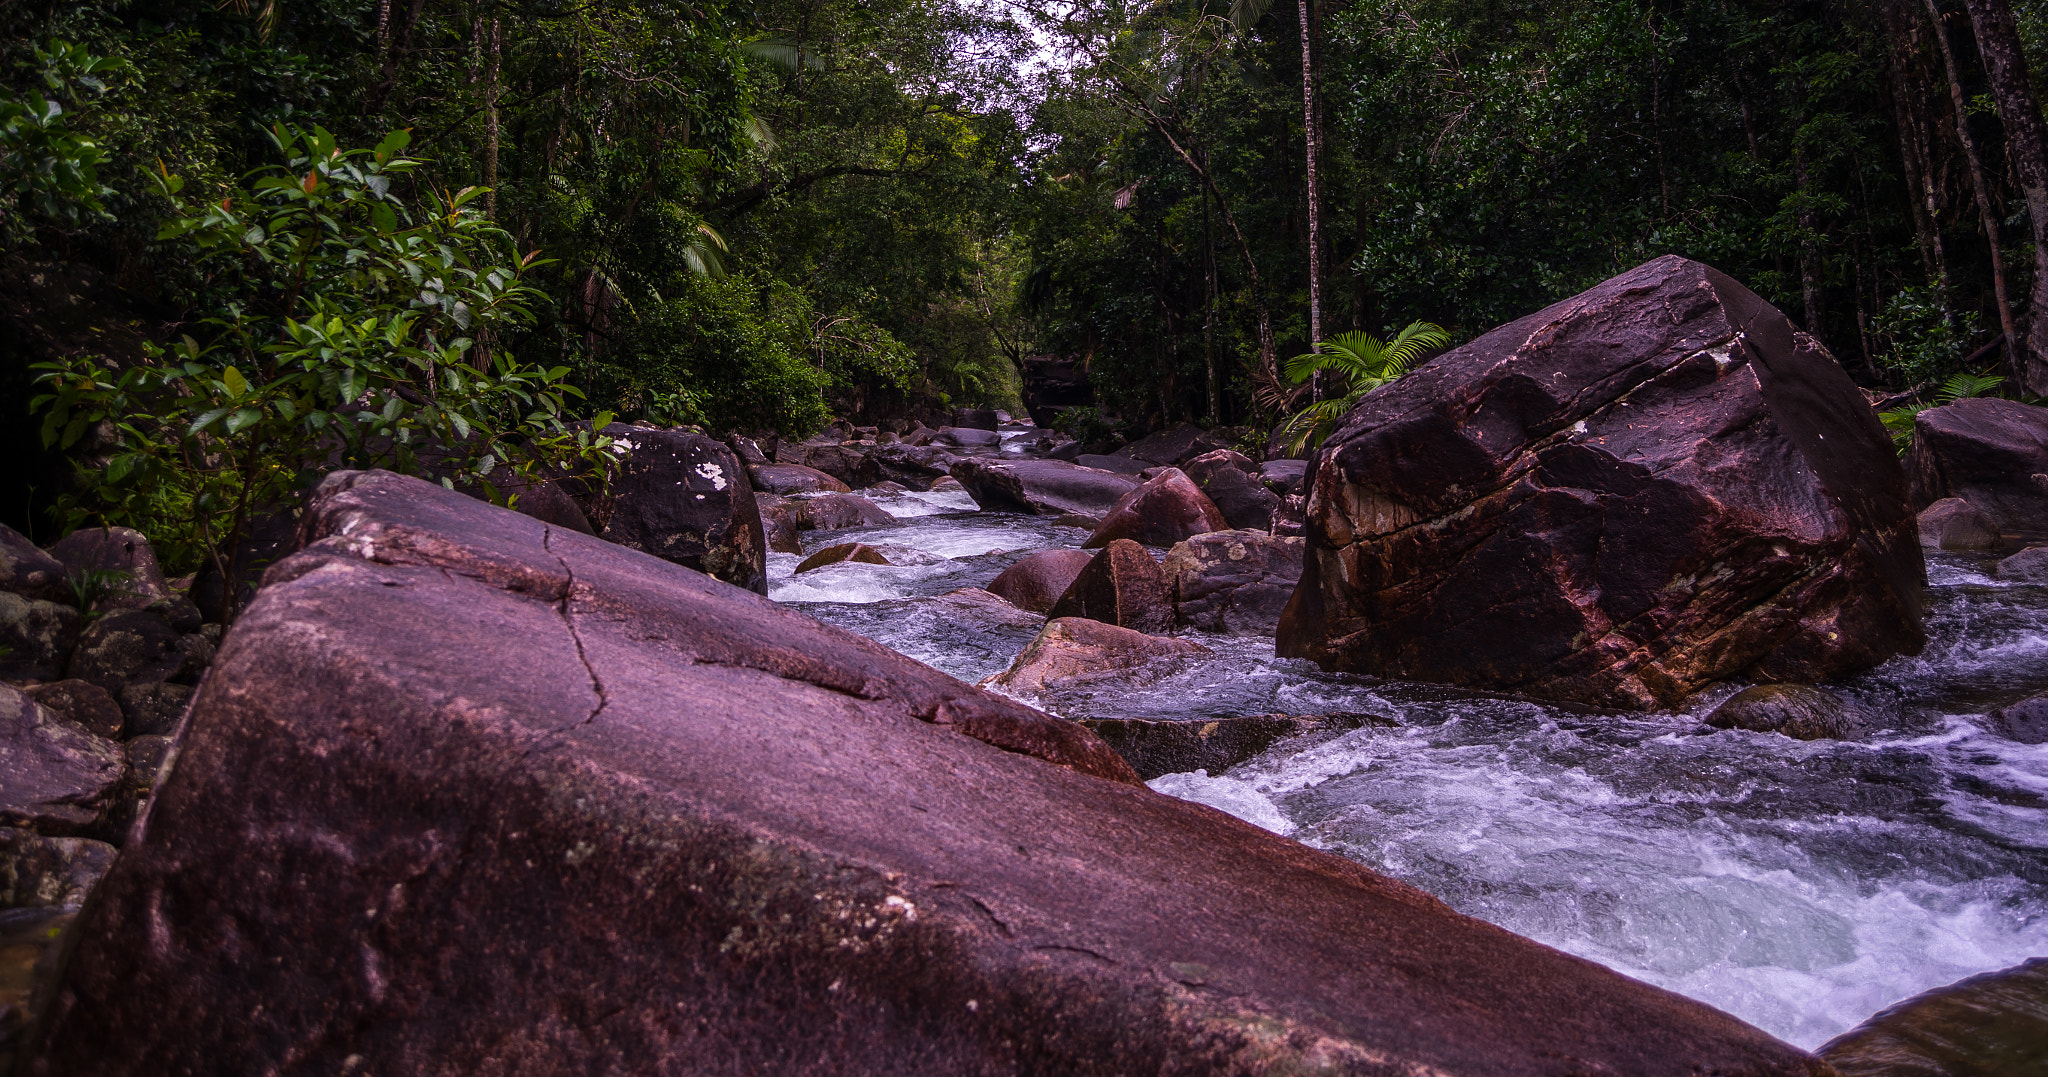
(1954, 524)
(1161, 511)
(1039, 580)
(36, 637)
(1070, 647)
(1121, 465)
(1990, 452)
(38, 872)
(831, 512)
(1121, 585)
(1243, 499)
(849, 463)
(686, 499)
(2027, 566)
(967, 438)
(1284, 477)
(1993, 1025)
(1235, 583)
(55, 778)
(467, 794)
(1052, 384)
(28, 571)
(1204, 467)
(83, 704)
(787, 479)
(975, 418)
(778, 523)
(115, 550)
(1644, 489)
(2025, 721)
(916, 467)
(845, 551)
(1156, 746)
(1173, 446)
(1799, 711)
(1041, 487)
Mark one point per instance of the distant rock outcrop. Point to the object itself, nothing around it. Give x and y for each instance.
(1992, 453)
(1636, 492)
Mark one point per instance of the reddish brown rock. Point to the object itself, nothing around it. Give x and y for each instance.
(1993, 1025)
(2027, 566)
(1071, 647)
(1204, 467)
(29, 572)
(83, 704)
(1161, 511)
(684, 498)
(55, 778)
(1799, 711)
(1173, 446)
(469, 794)
(1039, 580)
(1954, 524)
(115, 550)
(1639, 491)
(36, 637)
(830, 512)
(1244, 500)
(38, 872)
(1043, 487)
(847, 463)
(779, 524)
(917, 467)
(845, 551)
(787, 479)
(1992, 453)
(1121, 586)
(1236, 583)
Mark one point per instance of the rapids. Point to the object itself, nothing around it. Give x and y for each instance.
(1801, 886)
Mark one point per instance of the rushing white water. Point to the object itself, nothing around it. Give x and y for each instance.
(1801, 886)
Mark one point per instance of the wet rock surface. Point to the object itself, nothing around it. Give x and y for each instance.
(846, 551)
(1164, 509)
(1994, 1025)
(2027, 566)
(1990, 452)
(2025, 721)
(1072, 648)
(684, 498)
(833, 512)
(1038, 581)
(1043, 487)
(786, 479)
(1234, 583)
(1955, 524)
(1799, 711)
(1154, 747)
(1644, 489)
(1122, 585)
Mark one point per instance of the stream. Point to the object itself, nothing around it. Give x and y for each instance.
(1801, 886)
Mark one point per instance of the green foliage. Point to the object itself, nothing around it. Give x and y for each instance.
(49, 170)
(1927, 339)
(354, 329)
(1900, 421)
(92, 586)
(1365, 362)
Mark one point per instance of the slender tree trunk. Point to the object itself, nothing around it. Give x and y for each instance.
(1209, 312)
(491, 123)
(1312, 137)
(1809, 247)
(1987, 209)
(2026, 147)
(1919, 182)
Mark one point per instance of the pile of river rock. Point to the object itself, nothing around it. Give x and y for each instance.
(1617, 502)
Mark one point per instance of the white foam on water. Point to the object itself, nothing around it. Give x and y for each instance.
(914, 503)
(1227, 795)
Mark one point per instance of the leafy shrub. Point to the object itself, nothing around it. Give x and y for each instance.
(1928, 341)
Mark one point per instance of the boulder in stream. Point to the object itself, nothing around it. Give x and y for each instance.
(1121, 586)
(1070, 647)
(1164, 509)
(1243, 499)
(779, 523)
(916, 467)
(1236, 583)
(466, 793)
(1644, 489)
(684, 498)
(1993, 1025)
(1173, 446)
(2027, 566)
(1042, 487)
(1159, 746)
(1990, 452)
(1038, 581)
(2025, 721)
(831, 512)
(1954, 524)
(1799, 711)
(787, 479)
(846, 551)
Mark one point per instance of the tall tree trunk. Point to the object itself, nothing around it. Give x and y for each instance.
(1919, 179)
(1312, 137)
(1987, 209)
(491, 123)
(1209, 312)
(2026, 147)
(1809, 247)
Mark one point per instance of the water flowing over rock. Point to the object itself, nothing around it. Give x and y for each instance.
(1039, 580)
(1122, 586)
(845, 551)
(779, 523)
(1990, 452)
(1636, 492)
(1042, 487)
(1154, 747)
(1954, 524)
(1236, 583)
(684, 498)
(1071, 647)
(466, 793)
(1161, 511)
(2025, 721)
(1799, 711)
(1993, 1025)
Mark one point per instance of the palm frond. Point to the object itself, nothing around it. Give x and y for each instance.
(1245, 13)
(1961, 386)
(1413, 339)
(783, 52)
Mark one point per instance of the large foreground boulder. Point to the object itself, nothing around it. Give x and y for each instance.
(1991, 453)
(684, 498)
(1042, 487)
(468, 794)
(1636, 492)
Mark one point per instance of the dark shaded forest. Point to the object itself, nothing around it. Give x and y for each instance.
(243, 238)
